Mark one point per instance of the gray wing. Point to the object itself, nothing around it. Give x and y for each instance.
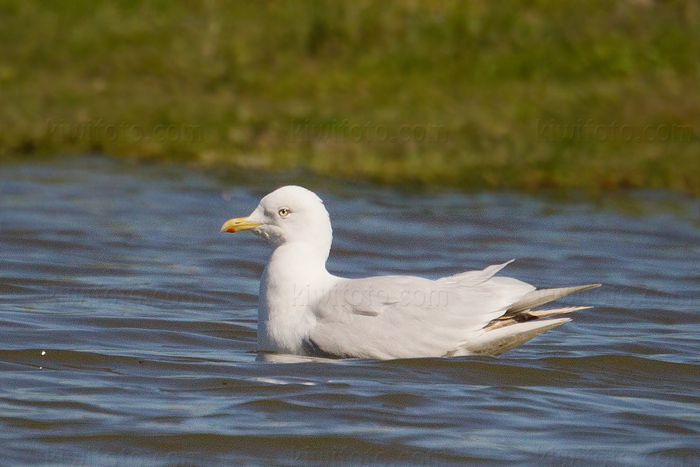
(401, 317)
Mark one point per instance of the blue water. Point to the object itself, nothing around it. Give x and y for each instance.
(128, 324)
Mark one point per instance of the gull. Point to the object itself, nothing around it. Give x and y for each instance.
(305, 310)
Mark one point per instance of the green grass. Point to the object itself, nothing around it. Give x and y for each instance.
(583, 94)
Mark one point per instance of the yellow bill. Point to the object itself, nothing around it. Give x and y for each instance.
(238, 224)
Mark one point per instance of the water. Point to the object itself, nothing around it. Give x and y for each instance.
(127, 329)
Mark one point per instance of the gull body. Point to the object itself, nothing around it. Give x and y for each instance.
(305, 310)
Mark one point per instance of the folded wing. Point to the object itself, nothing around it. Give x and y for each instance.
(401, 317)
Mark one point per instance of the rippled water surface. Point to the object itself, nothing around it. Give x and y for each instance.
(127, 329)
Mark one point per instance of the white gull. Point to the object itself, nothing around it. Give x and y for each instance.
(305, 310)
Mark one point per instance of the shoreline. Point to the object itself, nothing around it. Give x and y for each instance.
(593, 96)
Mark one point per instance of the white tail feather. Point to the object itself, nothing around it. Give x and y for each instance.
(495, 342)
(540, 297)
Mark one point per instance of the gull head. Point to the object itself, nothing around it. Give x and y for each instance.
(291, 214)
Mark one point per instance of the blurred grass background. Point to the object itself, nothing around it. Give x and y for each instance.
(582, 94)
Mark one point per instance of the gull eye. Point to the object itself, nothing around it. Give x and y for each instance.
(283, 212)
